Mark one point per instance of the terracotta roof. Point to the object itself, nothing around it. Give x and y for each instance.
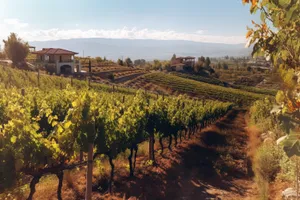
(54, 51)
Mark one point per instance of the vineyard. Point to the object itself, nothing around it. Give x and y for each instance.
(204, 90)
(46, 127)
(215, 81)
(209, 80)
(119, 73)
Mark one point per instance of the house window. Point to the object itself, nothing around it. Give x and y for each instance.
(60, 58)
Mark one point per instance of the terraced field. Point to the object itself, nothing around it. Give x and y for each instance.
(120, 74)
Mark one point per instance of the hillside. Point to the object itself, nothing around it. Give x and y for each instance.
(201, 89)
(146, 49)
(215, 81)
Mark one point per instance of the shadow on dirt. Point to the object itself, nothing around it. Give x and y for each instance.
(191, 173)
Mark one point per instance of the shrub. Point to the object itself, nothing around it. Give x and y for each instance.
(287, 168)
(266, 165)
(15, 49)
(267, 161)
(260, 114)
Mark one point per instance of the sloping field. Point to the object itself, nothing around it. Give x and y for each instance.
(203, 90)
(215, 81)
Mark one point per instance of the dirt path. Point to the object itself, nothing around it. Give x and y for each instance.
(213, 165)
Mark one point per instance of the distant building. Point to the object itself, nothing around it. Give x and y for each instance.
(261, 63)
(180, 62)
(31, 49)
(59, 61)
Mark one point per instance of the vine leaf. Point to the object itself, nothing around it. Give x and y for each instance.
(292, 144)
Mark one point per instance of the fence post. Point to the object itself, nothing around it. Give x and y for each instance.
(123, 99)
(38, 76)
(23, 92)
(72, 81)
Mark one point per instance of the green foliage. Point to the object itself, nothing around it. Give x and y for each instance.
(128, 62)
(267, 161)
(260, 114)
(157, 64)
(47, 127)
(209, 80)
(173, 57)
(203, 89)
(287, 168)
(292, 144)
(140, 62)
(225, 66)
(266, 165)
(98, 59)
(15, 49)
(207, 62)
(280, 97)
(120, 62)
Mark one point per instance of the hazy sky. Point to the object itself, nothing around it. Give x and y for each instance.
(220, 21)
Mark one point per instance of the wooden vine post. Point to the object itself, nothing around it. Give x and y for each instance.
(297, 178)
(38, 77)
(89, 173)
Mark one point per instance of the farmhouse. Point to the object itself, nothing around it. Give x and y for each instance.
(59, 61)
(180, 62)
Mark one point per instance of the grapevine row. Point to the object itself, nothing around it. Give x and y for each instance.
(43, 132)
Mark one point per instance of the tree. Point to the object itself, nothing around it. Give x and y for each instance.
(120, 62)
(128, 62)
(137, 62)
(276, 37)
(201, 59)
(173, 57)
(98, 59)
(207, 62)
(157, 64)
(15, 49)
(198, 66)
(225, 66)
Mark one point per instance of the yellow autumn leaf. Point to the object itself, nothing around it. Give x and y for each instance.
(249, 33)
(254, 2)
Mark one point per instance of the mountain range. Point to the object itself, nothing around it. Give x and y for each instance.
(143, 49)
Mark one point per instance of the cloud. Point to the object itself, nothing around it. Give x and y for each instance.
(15, 23)
(128, 33)
(200, 31)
